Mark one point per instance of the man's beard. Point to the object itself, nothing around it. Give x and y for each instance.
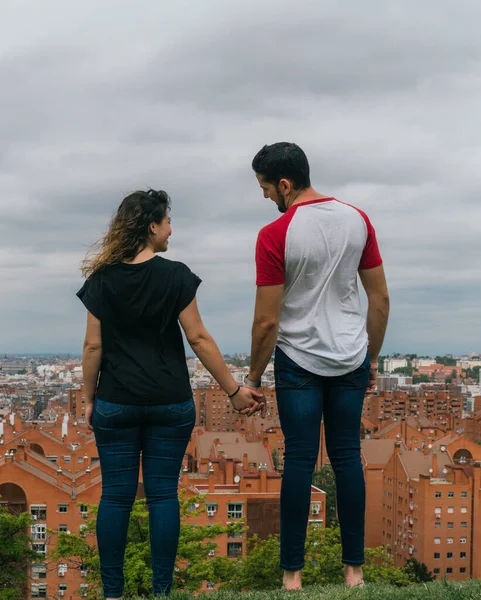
(281, 205)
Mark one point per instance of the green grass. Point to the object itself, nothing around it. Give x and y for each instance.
(470, 590)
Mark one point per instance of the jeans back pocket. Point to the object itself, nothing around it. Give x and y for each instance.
(108, 409)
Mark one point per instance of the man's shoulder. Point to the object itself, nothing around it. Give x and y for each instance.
(350, 208)
(277, 227)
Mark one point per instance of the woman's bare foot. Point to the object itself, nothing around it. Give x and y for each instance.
(292, 580)
(353, 576)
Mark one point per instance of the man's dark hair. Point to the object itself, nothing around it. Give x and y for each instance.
(283, 161)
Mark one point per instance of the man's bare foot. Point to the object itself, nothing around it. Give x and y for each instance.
(292, 580)
(353, 576)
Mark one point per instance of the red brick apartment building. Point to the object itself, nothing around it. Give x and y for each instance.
(430, 502)
(441, 406)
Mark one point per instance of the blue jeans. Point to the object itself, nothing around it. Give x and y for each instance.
(303, 400)
(123, 433)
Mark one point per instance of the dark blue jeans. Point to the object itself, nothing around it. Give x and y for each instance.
(303, 400)
(123, 433)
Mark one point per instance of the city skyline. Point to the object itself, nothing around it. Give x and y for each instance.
(383, 99)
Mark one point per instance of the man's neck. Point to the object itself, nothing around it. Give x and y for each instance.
(307, 195)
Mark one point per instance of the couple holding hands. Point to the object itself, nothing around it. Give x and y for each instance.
(308, 311)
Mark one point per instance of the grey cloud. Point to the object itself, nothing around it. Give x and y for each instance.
(99, 100)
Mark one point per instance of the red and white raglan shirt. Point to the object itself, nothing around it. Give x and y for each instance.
(316, 249)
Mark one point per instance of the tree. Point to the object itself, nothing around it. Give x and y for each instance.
(193, 566)
(421, 379)
(325, 479)
(324, 565)
(16, 554)
(417, 571)
(448, 361)
(406, 371)
(259, 569)
(473, 373)
(275, 458)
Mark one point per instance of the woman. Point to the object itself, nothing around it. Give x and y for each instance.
(142, 405)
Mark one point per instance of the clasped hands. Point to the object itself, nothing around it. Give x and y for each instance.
(248, 401)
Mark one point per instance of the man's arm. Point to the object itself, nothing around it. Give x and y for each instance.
(265, 327)
(374, 283)
(92, 357)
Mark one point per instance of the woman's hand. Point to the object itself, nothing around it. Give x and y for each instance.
(248, 401)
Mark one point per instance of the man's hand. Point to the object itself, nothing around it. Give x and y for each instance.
(247, 401)
(371, 386)
(261, 399)
(89, 409)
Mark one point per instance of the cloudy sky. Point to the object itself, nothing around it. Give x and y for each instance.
(101, 97)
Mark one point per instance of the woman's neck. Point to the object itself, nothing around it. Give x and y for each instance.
(144, 255)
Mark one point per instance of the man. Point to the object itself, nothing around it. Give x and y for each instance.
(326, 354)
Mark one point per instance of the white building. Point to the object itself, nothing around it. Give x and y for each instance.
(423, 362)
(394, 363)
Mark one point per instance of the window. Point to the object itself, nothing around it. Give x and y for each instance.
(462, 555)
(84, 509)
(234, 549)
(211, 508)
(52, 459)
(63, 528)
(438, 495)
(451, 509)
(210, 585)
(450, 494)
(450, 541)
(83, 571)
(39, 571)
(437, 510)
(39, 590)
(463, 540)
(40, 548)
(234, 510)
(38, 512)
(84, 588)
(437, 540)
(437, 571)
(464, 524)
(449, 570)
(450, 524)
(449, 555)
(437, 555)
(82, 529)
(233, 534)
(63, 508)
(437, 525)
(80, 459)
(38, 532)
(66, 459)
(62, 569)
(464, 509)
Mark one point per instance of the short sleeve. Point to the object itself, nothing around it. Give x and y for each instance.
(187, 284)
(270, 264)
(371, 256)
(90, 296)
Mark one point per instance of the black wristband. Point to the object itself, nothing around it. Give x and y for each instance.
(236, 392)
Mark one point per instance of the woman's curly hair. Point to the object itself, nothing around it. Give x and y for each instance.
(128, 232)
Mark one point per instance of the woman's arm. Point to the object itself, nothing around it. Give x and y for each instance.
(91, 359)
(203, 344)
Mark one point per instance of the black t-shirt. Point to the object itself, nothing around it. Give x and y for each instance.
(138, 305)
